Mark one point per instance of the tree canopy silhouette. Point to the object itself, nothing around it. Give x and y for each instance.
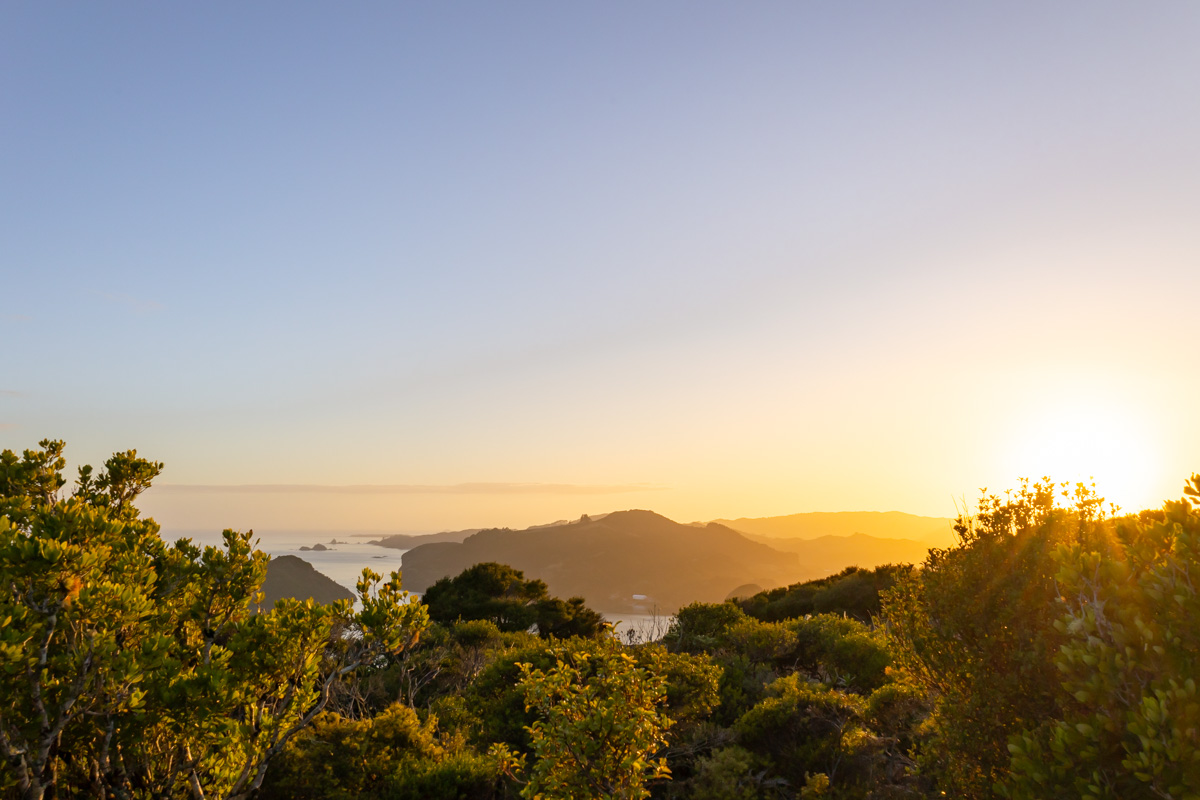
(501, 595)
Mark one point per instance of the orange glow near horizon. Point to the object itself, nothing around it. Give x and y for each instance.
(1084, 441)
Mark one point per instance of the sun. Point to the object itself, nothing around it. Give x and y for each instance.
(1085, 441)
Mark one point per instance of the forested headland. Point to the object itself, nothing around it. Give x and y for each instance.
(1050, 652)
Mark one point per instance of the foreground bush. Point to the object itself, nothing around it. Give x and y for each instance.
(391, 756)
(1129, 718)
(132, 668)
(600, 731)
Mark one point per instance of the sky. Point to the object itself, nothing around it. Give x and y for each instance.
(387, 266)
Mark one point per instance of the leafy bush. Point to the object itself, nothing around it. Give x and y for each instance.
(804, 728)
(1129, 708)
(842, 651)
(391, 755)
(732, 773)
(600, 730)
(500, 594)
(854, 592)
(699, 626)
(975, 629)
(131, 666)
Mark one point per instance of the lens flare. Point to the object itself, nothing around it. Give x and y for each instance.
(1081, 443)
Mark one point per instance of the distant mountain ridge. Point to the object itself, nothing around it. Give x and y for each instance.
(406, 541)
(937, 531)
(826, 555)
(619, 563)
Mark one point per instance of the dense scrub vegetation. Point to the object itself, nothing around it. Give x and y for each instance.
(501, 595)
(853, 591)
(1051, 654)
(134, 668)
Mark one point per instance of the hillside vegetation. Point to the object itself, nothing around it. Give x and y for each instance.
(853, 592)
(1051, 652)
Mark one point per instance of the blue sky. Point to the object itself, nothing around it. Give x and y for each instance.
(764, 259)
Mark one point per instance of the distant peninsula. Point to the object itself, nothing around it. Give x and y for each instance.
(407, 541)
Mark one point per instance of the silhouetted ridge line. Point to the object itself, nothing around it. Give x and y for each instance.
(625, 562)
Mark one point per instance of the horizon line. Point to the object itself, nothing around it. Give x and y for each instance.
(407, 488)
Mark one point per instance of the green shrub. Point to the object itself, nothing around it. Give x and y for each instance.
(392, 755)
(804, 728)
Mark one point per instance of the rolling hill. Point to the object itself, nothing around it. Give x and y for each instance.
(626, 561)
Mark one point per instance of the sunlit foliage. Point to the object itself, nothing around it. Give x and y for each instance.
(131, 668)
(601, 727)
(1129, 719)
(391, 756)
(1054, 653)
(974, 627)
